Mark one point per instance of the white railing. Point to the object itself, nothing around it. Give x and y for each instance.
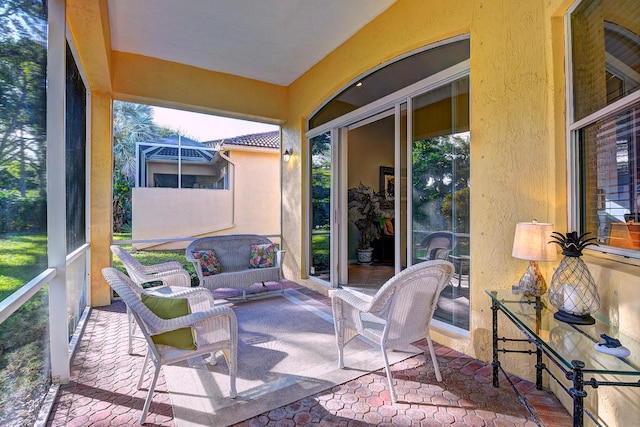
(13, 302)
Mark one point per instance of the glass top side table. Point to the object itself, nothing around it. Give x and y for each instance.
(570, 347)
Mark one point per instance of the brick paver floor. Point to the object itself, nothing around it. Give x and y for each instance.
(103, 390)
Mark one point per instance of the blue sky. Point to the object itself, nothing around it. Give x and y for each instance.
(206, 127)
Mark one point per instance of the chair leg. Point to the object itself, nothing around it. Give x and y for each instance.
(340, 343)
(144, 369)
(232, 363)
(231, 357)
(132, 330)
(152, 387)
(433, 359)
(394, 396)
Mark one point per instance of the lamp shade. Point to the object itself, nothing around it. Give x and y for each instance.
(531, 242)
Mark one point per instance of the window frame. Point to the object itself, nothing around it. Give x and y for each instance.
(572, 129)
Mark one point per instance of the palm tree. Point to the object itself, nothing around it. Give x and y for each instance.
(131, 123)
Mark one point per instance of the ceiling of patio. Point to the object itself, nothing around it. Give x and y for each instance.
(274, 41)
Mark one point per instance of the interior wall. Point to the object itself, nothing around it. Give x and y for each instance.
(377, 141)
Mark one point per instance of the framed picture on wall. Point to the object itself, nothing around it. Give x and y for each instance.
(387, 182)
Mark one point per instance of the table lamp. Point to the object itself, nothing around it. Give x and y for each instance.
(531, 242)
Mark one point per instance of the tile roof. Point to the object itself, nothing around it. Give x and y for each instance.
(173, 140)
(264, 140)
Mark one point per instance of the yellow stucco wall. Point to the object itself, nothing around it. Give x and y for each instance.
(252, 208)
(518, 139)
(101, 196)
(176, 85)
(518, 148)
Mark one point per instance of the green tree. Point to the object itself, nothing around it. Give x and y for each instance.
(22, 105)
(441, 167)
(321, 180)
(131, 123)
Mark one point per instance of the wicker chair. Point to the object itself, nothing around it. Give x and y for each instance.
(436, 245)
(216, 329)
(170, 273)
(173, 276)
(403, 308)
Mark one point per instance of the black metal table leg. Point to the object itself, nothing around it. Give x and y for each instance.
(577, 392)
(539, 365)
(496, 362)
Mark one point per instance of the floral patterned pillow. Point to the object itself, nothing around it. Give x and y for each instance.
(209, 262)
(263, 256)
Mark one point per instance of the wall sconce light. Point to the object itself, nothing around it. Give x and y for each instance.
(286, 156)
(531, 242)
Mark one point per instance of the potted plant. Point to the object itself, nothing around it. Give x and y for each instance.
(368, 212)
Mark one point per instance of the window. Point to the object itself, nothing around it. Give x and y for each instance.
(605, 128)
(391, 78)
(198, 165)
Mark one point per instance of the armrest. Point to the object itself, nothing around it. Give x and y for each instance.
(280, 257)
(351, 299)
(166, 325)
(200, 293)
(196, 266)
(179, 277)
(162, 267)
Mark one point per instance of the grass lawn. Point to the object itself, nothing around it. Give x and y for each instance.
(320, 248)
(150, 257)
(22, 257)
(24, 375)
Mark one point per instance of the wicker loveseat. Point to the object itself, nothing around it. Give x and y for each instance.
(234, 253)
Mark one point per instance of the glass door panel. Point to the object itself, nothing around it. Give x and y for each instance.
(401, 223)
(321, 151)
(440, 199)
(371, 195)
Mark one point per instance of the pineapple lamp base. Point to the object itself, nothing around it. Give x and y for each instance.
(574, 319)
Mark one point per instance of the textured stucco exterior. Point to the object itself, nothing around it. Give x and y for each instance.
(518, 141)
(251, 205)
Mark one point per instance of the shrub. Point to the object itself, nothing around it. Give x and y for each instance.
(21, 213)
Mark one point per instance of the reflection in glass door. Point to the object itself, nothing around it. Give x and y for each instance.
(320, 193)
(441, 191)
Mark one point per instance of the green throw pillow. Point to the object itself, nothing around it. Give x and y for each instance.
(169, 308)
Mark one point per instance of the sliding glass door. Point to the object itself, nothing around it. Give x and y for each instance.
(389, 177)
(368, 259)
(440, 165)
(320, 217)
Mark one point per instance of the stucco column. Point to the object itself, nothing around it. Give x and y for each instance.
(101, 189)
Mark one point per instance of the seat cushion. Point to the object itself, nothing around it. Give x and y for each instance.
(170, 308)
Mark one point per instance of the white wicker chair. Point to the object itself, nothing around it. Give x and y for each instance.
(173, 276)
(170, 273)
(403, 306)
(216, 329)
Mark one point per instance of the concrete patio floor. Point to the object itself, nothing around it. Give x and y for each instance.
(102, 391)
